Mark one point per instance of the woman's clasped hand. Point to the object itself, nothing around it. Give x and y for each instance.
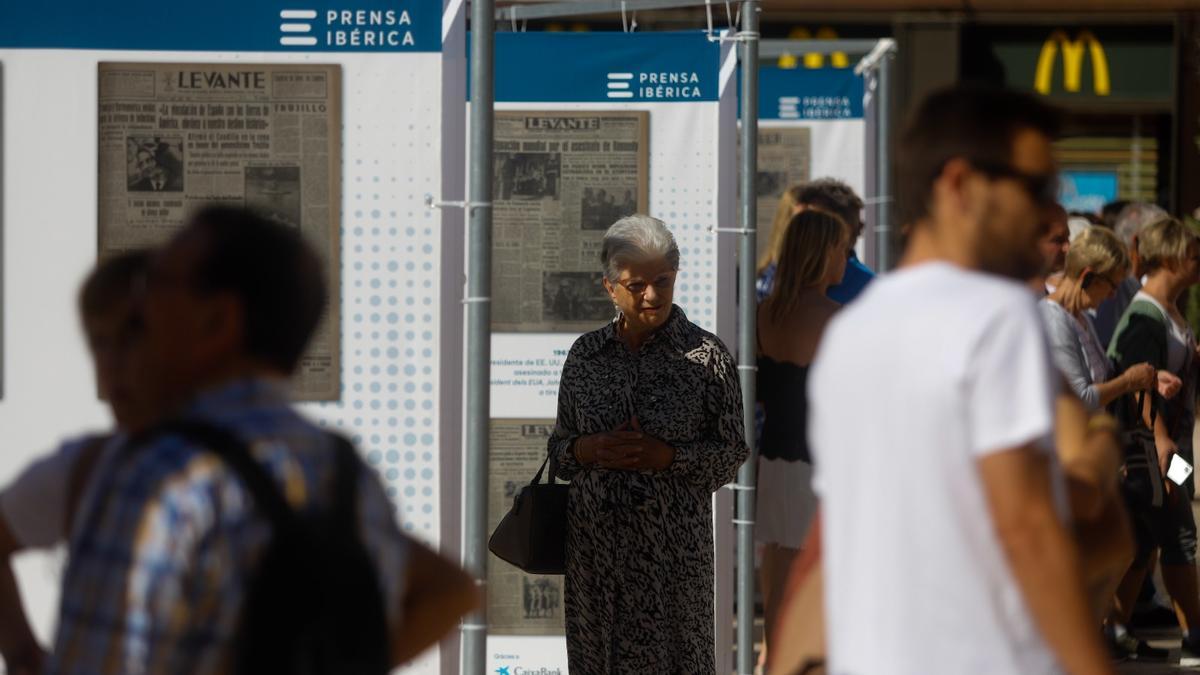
(625, 448)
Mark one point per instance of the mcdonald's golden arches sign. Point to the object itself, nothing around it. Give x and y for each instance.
(1085, 45)
(1102, 64)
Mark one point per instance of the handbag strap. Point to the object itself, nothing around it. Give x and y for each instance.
(1140, 402)
(553, 469)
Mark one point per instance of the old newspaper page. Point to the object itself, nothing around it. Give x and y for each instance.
(784, 158)
(175, 136)
(518, 603)
(561, 178)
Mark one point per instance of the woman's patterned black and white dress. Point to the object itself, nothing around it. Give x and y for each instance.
(639, 585)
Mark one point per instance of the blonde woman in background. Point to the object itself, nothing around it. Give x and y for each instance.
(1096, 265)
(833, 196)
(789, 205)
(1153, 330)
(790, 322)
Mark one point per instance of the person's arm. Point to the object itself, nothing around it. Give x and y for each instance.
(713, 461)
(1067, 354)
(438, 593)
(1089, 452)
(1106, 546)
(22, 653)
(35, 512)
(1143, 339)
(1138, 377)
(1041, 556)
(1009, 408)
(1163, 443)
(1168, 385)
(573, 450)
(562, 443)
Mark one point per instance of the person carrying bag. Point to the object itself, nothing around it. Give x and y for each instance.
(532, 536)
(1141, 476)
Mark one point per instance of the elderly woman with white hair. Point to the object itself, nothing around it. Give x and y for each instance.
(649, 426)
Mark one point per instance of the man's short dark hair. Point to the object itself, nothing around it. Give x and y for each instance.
(272, 270)
(834, 196)
(112, 282)
(974, 122)
(1111, 211)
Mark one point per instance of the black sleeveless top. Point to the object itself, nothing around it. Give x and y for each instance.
(782, 389)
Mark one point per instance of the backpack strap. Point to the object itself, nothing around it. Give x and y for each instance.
(236, 454)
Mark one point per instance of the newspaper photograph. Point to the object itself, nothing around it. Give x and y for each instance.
(177, 136)
(561, 179)
(784, 158)
(518, 603)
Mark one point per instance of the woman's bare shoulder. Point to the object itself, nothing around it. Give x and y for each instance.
(795, 337)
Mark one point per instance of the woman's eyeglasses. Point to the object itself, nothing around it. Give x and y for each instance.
(1112, 283)
(661, 283)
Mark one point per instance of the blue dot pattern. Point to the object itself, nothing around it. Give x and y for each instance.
(683, 191)
(390, 291)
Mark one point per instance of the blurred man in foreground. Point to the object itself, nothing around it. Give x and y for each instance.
(161, 568)
(964, 491)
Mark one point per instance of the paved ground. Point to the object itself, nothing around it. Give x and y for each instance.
(1165, 640)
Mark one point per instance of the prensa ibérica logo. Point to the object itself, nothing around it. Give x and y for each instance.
(368, 28)
(380, 28)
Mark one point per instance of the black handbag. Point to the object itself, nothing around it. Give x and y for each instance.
(533, 534)
(1143, 481)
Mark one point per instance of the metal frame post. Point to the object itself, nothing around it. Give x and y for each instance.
(879, 62)
(883, 168)
(479, 325)
(747, 336)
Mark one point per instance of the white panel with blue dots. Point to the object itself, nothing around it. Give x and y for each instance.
(391, 153)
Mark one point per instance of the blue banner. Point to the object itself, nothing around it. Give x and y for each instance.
(809, 94)
(223, 25)
(606, 67)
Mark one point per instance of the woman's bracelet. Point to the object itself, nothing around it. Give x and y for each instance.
(576, 446)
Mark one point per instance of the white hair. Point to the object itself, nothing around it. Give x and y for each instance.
(1136, 216)
(633, 239)
(1077, 225)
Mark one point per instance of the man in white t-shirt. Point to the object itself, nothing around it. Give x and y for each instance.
(945, 549)
(37, 507)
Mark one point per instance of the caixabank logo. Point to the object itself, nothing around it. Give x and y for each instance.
(358, 28)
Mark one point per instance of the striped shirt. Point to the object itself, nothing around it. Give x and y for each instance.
(167, 540)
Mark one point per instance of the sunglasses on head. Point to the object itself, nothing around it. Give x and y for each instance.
(1042, 187)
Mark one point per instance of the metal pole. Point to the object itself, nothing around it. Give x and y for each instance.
(747, 342)
(479, 325)
(883, 164)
